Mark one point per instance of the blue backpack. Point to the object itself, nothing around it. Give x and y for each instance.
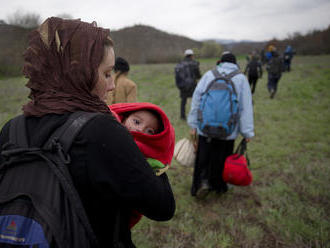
(218, 110)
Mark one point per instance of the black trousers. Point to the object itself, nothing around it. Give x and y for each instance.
(287, 65)
(185, 93)
(253, 83)
(209, 164)
(183, 107)
(273, 82)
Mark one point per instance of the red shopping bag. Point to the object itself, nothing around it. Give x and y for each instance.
(236, 169)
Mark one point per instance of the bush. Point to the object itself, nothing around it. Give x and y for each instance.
(210, 49)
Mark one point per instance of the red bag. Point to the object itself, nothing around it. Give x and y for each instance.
(236, 169)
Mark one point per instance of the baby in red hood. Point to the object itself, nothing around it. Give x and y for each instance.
(152, 132)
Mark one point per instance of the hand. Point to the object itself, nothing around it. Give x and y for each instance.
(193, 137)
(193, 132)
(247, 140)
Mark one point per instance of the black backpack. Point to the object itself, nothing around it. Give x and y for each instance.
(39, 206)
(184, 76)
(275, 66)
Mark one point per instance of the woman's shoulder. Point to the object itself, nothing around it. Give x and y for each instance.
(102, 122)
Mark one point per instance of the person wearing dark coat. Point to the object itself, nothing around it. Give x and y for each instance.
(193, 74)
(287, 58)
(254, 71)
(274, 68)
(69, 65)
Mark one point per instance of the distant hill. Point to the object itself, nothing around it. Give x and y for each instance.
(145, 44)
(13, 42)
(138, 44)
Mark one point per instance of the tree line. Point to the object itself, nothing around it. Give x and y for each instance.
(144, 44)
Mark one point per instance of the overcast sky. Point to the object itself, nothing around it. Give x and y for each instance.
(197, 19)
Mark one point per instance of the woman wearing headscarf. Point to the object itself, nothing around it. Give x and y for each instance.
(68, 64)
(125, 89)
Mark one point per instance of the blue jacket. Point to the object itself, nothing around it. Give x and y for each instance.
(245, 126)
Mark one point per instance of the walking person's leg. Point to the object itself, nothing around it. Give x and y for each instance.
(220, 150)
(275, 83)
(250, 81)
(254, 83)
(201, 168)
(183, 106)
(269, 83)
(272, 85)
(289, 65)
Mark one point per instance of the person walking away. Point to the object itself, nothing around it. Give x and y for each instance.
(263, 57)
(212, 152)
(274, 69)
(125, 89)
(268, 54)
(287, 58)
(69, 64)
(186, 75)
(254, 71)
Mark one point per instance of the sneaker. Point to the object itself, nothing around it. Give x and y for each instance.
(203, 191)
(272, 94)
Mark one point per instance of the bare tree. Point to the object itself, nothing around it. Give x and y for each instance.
(26, 20)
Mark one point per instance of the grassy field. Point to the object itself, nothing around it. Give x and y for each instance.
(288, 203)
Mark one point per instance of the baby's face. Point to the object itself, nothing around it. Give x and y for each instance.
(142, 121)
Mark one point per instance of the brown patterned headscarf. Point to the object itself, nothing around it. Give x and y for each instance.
(61, 64)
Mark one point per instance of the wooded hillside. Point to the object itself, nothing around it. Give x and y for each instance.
(142, 44)
(316, 42)
(145, 44)
(13, 42)
(138, 44)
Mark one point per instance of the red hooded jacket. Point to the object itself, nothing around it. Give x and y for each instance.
(159, 146)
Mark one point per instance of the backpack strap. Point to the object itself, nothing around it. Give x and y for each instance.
(230, 76)
(66, 133)
(63, 138)
(17, 132)
(226, 77)
(216, 73)
(233, 73)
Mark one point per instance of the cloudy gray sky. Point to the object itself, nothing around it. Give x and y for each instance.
(197, 19)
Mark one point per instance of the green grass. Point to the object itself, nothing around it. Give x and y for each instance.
(288, 203)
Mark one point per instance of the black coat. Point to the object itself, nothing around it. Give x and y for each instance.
(195, 73)
(109, 173)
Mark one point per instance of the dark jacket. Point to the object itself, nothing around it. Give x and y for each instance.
(275, 65)
(253, 69)
(195, 74)
(109, 172)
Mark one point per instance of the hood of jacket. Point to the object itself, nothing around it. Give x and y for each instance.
(159, 146)
(227, 67)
